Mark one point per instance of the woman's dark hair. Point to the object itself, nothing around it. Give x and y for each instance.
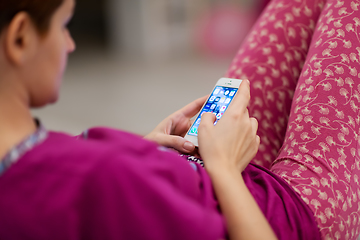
(40, 12)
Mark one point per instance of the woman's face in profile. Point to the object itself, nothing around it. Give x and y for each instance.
(51, 59)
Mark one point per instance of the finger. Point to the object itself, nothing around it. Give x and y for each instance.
(176, 142)
(254, 124)
(257, 141)
(193, 108)
(242, 97)
(208, 119)
(256, 145)
(246, 113)
(250, 153)
(254, 148)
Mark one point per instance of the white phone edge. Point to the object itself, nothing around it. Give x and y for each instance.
(223, 82)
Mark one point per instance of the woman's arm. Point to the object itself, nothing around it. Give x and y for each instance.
(243, 216)
(227, 149)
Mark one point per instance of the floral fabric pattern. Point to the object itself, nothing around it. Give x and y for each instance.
(302, 59)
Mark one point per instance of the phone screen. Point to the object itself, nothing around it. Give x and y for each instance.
(217, 103)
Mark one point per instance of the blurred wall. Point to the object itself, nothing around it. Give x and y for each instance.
(137, 61)
(153, 28)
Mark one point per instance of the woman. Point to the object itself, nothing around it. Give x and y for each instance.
(109, 184)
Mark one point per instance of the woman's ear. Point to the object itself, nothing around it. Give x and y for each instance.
(21, 38)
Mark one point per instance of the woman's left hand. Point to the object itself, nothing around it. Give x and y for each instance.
(171, 131)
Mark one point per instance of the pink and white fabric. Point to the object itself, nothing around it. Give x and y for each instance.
(302, 58)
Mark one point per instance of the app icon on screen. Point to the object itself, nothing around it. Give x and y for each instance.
(232, 93)
(212, 99)
(223, 108)
(227, 100)
(222, 100)
(193, 130)
(227, 92)
(219, 115)
(213, 106)
(221, 92)
(217, 99)
(198, 121)
(217, 91)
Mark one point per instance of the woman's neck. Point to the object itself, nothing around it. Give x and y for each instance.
(16, 122)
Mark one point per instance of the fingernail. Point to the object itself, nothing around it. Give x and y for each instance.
(188, 146)
(248, 81)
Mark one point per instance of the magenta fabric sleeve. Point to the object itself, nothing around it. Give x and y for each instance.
(115, 185)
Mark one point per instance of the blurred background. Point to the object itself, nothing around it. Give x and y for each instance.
(137, 61)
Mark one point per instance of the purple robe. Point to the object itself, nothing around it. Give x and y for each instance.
(115, 185)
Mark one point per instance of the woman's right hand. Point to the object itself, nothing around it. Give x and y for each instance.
(227, 149)
(233, 142)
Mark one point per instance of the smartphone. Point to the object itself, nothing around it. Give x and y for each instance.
(217, 103)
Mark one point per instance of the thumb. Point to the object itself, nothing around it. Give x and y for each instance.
(208, 119)
(176, 142)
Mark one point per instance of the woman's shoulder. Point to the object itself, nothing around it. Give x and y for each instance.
(93, 145)
(99, 146)
(99, 136)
